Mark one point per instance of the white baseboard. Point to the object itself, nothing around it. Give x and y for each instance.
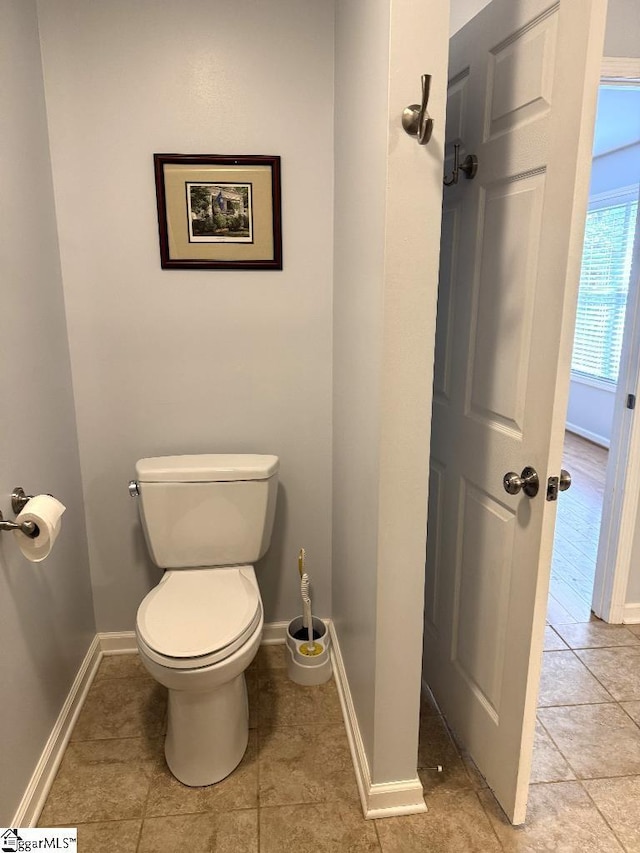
(378, 800)
(590, 436)
(274, 633)
(41, 781)
(124, 642)
(631, 614)
(118, 642)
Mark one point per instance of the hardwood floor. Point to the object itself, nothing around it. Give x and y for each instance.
(577, 532)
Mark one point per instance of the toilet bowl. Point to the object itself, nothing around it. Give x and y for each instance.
(199, 629)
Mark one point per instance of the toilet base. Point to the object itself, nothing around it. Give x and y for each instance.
(207, 732)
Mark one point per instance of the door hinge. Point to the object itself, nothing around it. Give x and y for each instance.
(631, 401)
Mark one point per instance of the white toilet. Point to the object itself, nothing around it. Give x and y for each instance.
(206, 520)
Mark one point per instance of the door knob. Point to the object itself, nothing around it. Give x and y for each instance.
(565, 480)
(528, 482)
(558, 484)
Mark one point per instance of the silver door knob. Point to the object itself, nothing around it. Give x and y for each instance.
(528, 482)
(565, 480)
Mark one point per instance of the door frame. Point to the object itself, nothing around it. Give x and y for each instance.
(620, 512)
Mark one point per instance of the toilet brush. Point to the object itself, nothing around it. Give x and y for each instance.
(311, 647)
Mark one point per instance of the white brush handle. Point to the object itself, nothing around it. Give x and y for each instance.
(307, 618)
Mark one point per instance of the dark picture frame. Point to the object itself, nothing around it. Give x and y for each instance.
(219, 211)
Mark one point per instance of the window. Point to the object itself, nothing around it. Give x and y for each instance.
(604, 282)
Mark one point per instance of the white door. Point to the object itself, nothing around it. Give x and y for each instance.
(522, 95)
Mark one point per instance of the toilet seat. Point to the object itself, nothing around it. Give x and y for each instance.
(196, 617)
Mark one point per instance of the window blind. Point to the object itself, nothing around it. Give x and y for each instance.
(604, 282)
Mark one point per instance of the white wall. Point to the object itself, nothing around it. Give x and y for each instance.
(590, 410)
(386, 257)
(622, 36)
(462, 11)
(46, 611)
(193, 361)
(623, 39)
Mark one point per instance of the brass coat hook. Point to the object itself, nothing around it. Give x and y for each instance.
(469, 166)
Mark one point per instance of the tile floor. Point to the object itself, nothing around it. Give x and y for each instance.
(295, 789)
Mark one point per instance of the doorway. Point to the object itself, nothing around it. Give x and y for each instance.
(598, 345)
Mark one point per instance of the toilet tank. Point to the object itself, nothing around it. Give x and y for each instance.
(207, 510)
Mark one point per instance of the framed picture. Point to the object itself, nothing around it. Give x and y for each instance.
(219, 212)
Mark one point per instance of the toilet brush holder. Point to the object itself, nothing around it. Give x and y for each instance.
(308, 669)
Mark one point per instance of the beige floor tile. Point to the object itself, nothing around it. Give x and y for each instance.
(552, 642)
(594, 635)
(233, 832)
(634, 628)
(560, 818)
(122, 707)
(284, 703)
(633, 710)
(428, 705)
(316, 828)
(114, 836)
(619, 802)
(596, 740)
(566, 681)
(435, 747)
(477, 779)
(251, 678)
(239, 790)
(305, 764)
(99, 781)
(548, 763)
(271, 657)
(121, 666)
(617, 669)
(455, 823)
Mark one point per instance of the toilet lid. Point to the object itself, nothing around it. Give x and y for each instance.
(196, 612)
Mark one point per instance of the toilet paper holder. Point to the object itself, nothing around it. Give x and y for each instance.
(18, 502)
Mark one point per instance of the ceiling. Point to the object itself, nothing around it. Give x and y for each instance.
(618, 118)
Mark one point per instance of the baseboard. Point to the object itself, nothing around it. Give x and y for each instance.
(274, 633)
(378, 800)
(117, 642)
(42, 779)
(590, 436)
(631, 614)
(124, 642)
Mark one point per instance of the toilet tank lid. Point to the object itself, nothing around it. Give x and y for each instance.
(206, 468)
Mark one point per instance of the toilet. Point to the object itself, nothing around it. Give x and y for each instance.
(207, 519)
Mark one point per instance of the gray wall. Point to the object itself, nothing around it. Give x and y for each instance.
(361, 98)
(46, 613)
(384, 329)
(193, 361)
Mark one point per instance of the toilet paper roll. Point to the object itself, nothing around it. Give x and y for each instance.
(45, 512)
